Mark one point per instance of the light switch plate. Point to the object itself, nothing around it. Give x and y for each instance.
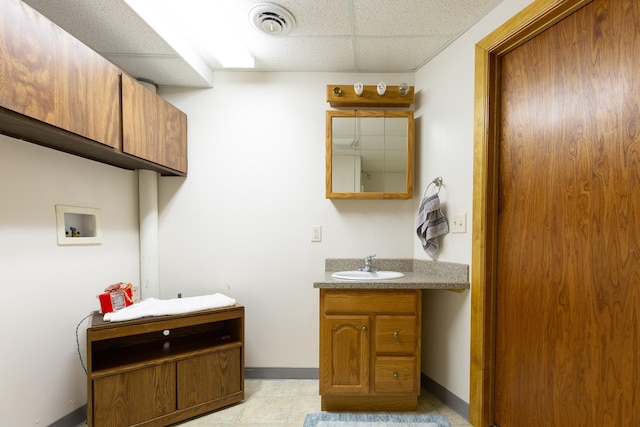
(316, 233)
(458, 223)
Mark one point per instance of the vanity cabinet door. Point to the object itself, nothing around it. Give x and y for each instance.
(48, 75)
(345, 354)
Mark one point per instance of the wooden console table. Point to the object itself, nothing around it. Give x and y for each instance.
(161, 370)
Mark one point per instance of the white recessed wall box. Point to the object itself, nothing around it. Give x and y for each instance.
(78, 225)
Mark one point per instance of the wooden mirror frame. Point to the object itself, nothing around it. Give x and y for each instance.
(408, 193)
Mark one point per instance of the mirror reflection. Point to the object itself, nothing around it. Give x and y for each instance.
(370, 153)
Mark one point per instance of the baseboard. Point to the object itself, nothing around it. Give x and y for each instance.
(72, 419)
(281, 373)
(456, 404)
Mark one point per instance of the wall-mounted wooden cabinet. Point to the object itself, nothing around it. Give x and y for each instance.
(57, 92)
(159, 371)
(369, 154)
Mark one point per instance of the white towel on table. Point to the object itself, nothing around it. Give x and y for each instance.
(155, 307)
(430, 224)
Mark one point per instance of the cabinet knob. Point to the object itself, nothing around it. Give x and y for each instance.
(396, 376)
(364, 329)
(396, 334)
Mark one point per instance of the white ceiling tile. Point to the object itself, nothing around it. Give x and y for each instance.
(380, 54)
(418, 17)
(104, 25)
(303, 54)
(330, 35)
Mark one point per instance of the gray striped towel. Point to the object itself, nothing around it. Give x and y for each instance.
(430, 224)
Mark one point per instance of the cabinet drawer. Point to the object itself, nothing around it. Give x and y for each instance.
(396, 334)
(395, 375)
(369, 301)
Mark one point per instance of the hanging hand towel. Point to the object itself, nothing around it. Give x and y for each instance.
(430, 224)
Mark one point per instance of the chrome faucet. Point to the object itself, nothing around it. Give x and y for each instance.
(367, 263)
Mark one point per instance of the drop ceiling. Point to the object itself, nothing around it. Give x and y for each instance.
(363, 36)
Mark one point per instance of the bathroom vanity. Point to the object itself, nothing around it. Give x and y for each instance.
(370, 333)
(370, 349)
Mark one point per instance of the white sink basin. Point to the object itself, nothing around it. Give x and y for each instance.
(366, 275)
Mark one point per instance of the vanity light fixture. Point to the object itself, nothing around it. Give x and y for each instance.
(358, 88)
(376, 96)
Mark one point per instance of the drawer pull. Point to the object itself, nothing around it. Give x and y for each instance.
(396, 334)
(364, 329)
(396, 376)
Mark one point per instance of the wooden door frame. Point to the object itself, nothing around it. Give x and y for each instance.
(531, 21)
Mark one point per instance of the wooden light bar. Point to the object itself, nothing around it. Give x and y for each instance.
(345, 96)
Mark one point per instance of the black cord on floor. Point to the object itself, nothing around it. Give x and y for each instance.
(78, 342)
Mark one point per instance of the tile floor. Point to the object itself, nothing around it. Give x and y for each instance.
(285, 403)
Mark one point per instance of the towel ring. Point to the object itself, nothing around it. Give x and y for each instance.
(437, 182)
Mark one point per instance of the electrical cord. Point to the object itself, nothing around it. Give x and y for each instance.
(84, 368)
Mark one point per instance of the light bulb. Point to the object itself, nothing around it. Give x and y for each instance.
(358, 88)
(403, 89)
(382, 88)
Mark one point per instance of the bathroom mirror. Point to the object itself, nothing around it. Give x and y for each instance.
(369, 154)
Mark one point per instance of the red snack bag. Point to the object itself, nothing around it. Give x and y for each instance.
(116, 297)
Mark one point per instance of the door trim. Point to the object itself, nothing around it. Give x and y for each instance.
(531, 21)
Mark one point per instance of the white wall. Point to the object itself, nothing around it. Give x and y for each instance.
(240, 223)
(444, 117)
(48, 289)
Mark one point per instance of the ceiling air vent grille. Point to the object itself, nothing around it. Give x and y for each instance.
(272, 19)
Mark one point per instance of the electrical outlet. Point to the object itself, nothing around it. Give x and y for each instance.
(459, 223)
(316, 233)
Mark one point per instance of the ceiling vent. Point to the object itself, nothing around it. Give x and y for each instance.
(272, 19)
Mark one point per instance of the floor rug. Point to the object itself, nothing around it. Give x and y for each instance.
(349, 419)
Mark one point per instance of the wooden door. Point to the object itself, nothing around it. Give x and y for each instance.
(568, 251)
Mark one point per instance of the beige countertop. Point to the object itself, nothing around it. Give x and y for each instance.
(418, 274)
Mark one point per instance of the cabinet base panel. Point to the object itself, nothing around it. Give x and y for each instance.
(369, 403)
(194, 411)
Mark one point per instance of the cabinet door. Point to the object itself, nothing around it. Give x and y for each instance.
(345, 353)
(86, 92)
(133, 397)
(208, 377)
(48, 75)
(152, 128)
(26, 61)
